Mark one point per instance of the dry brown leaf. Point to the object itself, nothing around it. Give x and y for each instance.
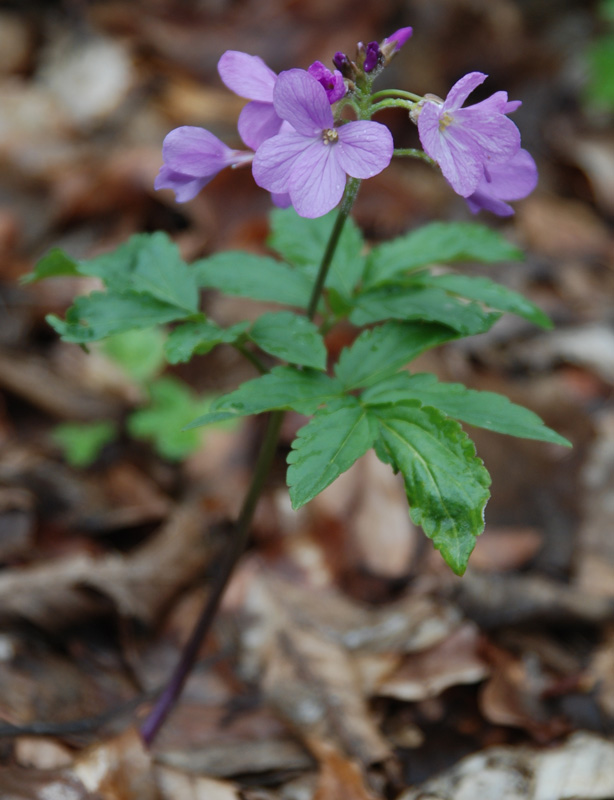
(17, 783)
(118, 769)
(495, 600)
(579, 768)
(175, 785)
(310, 680)
(454, 661)
(25, 374)
(340, 778)
(140, 584)
(502, 549)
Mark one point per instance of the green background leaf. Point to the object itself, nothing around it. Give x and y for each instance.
(81, 443)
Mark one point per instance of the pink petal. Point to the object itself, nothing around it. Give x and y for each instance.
(317, 181)
(257, 123)
(248, 76)
(274, 160)
(302, 101)
(495, 135)
(196, 152)
(462, 89)
(364, 148)
(185, 186)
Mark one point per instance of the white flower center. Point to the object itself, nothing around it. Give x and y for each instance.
(330, 136)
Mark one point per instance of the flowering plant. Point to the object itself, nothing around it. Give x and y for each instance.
(312, 140)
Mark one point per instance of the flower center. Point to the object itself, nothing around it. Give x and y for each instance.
(445, 121)
(330, 136)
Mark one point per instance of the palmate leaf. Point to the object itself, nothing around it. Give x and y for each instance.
(439, 242)
(488, 410)
(328, 445)
(99, 314)
(417, 303)
(199, 337)
(488, 292)
(383, 350)
(291, 337)
(282, 388)
(258, 277)
(446, 483)
(303, 241)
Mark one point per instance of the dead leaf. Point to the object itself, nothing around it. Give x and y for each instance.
(340, 778)
(454, 661)
(310, 680)
(119, 769)
(140, 584)
(579, 768)
(175, 785)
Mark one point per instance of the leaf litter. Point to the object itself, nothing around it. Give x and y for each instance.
(346, 662)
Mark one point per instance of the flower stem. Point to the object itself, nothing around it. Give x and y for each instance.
(412, 152)
(237, 544)
(351, 190)
(392, 103)
(396, 93)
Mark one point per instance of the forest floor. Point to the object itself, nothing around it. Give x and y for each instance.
(347, 661)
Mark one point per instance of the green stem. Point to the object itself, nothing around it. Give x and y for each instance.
(251, 357)
(237, 544)
(390, 103)
(396, 93)
(351, 190)
(412, 152)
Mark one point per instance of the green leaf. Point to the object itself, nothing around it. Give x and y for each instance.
(140, 353)
(600, 88)
(199, 337)
(446, 483)
(172, 405)
(257, 277)
(81, 443)
(98, 315)
(282, 388)
(482, 409)
(147, 262)
(438, 242)
(291, 337)
(53, 265)
(383, 350)
(327, 446)
(488, 292)
(303, 241)
(411, 303)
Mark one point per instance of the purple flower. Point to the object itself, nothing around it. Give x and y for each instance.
(464, 141)
(312, 161)
(510, 181)
(248, 76)
(399, 37)
(372, 55)
(333, 82)
(192, 157)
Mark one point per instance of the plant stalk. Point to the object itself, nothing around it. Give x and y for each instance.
(237, 544)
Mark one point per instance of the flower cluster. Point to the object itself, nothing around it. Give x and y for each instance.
(302, 151)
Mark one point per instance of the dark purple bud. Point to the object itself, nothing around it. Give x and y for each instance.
(341, 61)
(372, 54)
